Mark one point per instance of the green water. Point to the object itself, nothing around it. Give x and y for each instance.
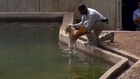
(30, 50)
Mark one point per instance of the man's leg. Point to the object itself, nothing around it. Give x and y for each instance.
(97, 33)
(91, 38)
(107, 36)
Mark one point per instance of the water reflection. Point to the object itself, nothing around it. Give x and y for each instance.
(84, 66)
(80, 72)
(30, 50)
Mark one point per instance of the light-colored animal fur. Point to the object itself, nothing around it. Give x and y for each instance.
(72, 42)
(72, 31)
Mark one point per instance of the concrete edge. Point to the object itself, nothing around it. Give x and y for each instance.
(21, 14)
(131, 57)
(131, 69)
(18, 16)
(120, 62)
(116, 69)
(121, 31)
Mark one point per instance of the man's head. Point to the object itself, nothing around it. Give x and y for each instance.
(83, 9)
(139, 4)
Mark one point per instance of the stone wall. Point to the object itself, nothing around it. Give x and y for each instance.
(106, 7)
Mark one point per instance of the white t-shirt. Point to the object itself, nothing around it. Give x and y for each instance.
(91, 17)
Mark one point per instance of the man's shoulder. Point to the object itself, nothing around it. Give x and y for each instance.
(91, 9)
(136, 10)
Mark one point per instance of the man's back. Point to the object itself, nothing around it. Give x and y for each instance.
(94, 14)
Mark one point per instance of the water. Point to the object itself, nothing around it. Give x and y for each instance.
(30, 50)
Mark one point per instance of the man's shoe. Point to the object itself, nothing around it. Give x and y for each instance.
(112, 36)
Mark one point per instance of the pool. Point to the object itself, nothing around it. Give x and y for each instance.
(30, 50)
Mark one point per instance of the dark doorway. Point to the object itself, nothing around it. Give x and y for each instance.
(128, 7)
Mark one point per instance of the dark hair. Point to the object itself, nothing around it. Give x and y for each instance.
(82, 6)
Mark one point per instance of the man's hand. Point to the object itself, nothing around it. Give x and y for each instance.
(85, 23)
(74, 26)
(71, 25)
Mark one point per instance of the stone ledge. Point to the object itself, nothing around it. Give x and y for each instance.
(20, 16)
(131, 57)
(131, 73)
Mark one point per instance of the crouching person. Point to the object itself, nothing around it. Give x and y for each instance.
(92, 24)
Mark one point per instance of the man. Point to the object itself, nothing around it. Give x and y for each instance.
(136, 17)
(95, 24)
